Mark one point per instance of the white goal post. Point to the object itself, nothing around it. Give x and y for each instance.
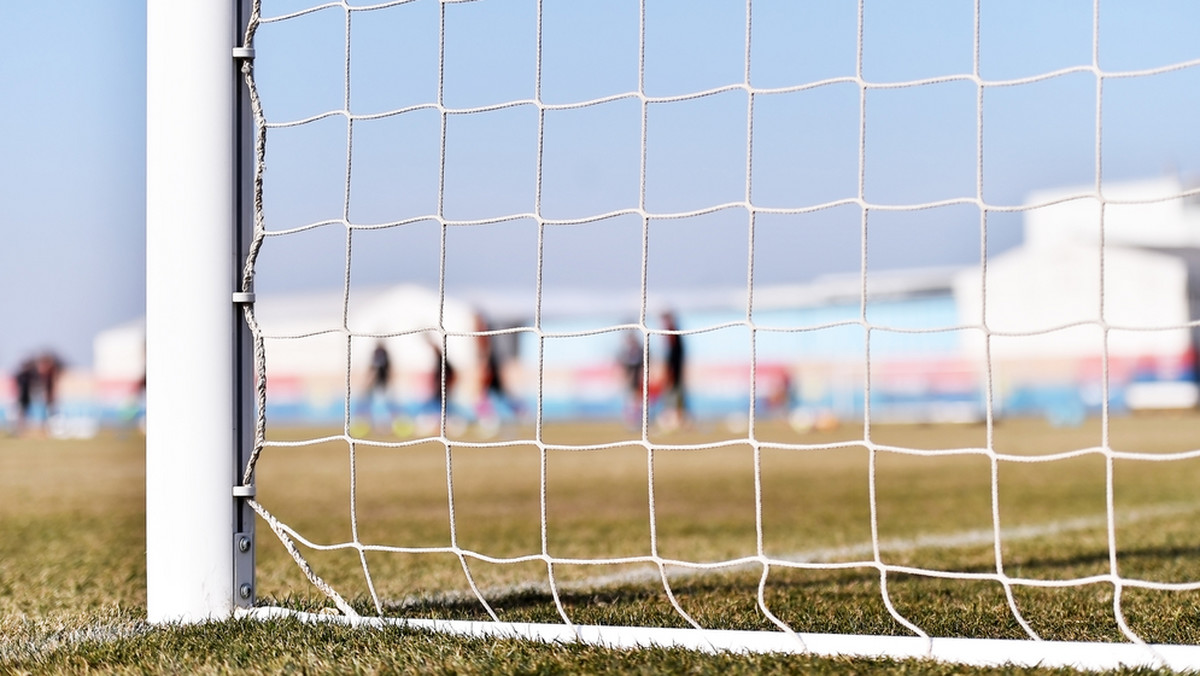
(199, 540)
(209, 361)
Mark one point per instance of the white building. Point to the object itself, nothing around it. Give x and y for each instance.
(309, 357)
(1057, 305)
(1058, 314)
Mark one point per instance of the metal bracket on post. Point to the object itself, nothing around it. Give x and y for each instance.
(243, 569)
(243, 555)
(243, 53)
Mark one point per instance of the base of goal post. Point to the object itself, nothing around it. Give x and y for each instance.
(969, 651)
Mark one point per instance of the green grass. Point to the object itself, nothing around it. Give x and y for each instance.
(72, 594)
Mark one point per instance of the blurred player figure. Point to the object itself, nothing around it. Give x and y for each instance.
(632, 359)
(381, 373)
(25, 379)
(780, 399)
(37, 378)
(441, 386)
(674, 392)
(378, 390)
(49, 367)
(133, 414)
(494, 397)
(442, 374)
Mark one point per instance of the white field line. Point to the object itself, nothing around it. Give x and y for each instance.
(25, 639)
(30, 639)
(841, 554)
(987, 653)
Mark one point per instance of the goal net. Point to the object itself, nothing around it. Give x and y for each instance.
(822, 327)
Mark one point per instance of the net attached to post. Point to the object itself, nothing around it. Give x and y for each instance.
(774, 493)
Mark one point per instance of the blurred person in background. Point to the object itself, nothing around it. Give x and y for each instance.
(633, 365)
(378, 387)
(49, 367)
(673, 388)
(495, 399)
(37, 379)
(25, 379)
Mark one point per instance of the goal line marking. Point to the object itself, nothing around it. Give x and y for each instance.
(842, 554)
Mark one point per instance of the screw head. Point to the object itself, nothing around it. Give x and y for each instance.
(244, 544)
(245, 591)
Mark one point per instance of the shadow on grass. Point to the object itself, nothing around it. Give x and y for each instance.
(852, 601)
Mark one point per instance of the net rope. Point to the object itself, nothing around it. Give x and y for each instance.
(669, 569)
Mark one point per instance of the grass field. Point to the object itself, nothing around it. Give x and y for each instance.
(72, 594)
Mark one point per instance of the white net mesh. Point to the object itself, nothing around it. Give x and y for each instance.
(595, 168)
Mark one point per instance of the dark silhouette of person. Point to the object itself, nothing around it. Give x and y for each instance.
(674, 388)
(37, 378)
(443, 372)
(439, 407)
(633, 365)
(493, 390)
(26, 379)
(380, 380)
(381, 371)
(49, 366)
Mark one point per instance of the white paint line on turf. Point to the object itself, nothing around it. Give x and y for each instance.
(848, 553)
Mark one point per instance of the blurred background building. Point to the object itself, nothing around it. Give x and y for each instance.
(1065, 311)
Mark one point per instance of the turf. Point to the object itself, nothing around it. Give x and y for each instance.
(72, 595)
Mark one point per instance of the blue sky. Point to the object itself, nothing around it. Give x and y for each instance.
(72, 141)
(72, 171)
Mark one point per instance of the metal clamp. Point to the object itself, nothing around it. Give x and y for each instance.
(243, 297)
(243, 570)
(243, 53)
(244, 491)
